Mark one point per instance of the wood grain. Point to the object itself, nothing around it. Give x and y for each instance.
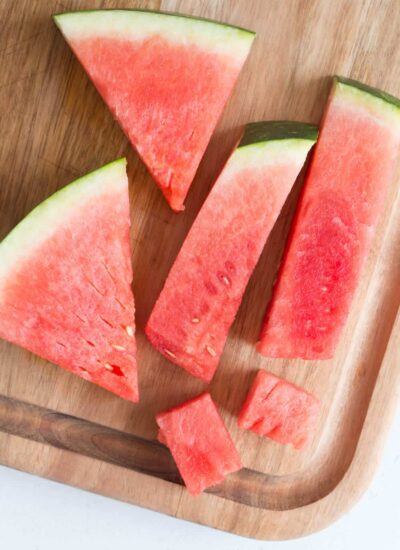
(55, 127)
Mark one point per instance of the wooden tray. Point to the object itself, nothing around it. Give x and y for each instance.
(54, 128)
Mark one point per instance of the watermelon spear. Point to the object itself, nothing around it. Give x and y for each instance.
(343, 196)
(193, 314)
(165, 78)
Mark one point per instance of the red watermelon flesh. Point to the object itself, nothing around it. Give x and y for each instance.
(344, 193)
(279, 410)
(165, 78)
(191, 319)
(199, 442)
(65, 281)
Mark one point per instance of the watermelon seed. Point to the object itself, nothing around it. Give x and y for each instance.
(61, 344)
(324, 288)
(117, 347)
(106, 322)
(82, 369)
(119, 302)
(195, 320)
(226, 280)
(211, 351)
(129, 331)
(115, 369)
(170, 177)
(94, 286)
(90, 343)
(108, 272)
(268, 395)
(170, 353)
(79, 317)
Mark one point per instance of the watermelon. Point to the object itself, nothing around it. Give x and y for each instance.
(344, 194)
(199, 442)
(191, 319)
(165, 78)
(65, 281)
(279, 410)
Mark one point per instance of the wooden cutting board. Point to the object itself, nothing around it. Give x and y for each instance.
(54, 128)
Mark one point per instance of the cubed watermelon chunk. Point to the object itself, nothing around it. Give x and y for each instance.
(199, 442)
(191, 319)
(65, 281)
(279, 410)
(344, 193)
(165, 77)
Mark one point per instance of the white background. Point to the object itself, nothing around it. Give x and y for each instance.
(36, 514)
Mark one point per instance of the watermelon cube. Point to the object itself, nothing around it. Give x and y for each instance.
(279, 410)
(344, 194)
(199, 442)
(193, 314)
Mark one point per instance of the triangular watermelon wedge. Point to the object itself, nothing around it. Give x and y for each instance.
(65, 281)
(165, 78)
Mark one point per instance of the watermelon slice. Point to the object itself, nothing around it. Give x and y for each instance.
(165, 78)
(65, 281)
(199, 442)
(279, 410)
(344, 193)
(191, 319)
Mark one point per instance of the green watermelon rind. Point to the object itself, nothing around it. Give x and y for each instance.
(274, 130)
(205, 33)
(159, 12)
(272, 142)
(52, 213)
(374, 99)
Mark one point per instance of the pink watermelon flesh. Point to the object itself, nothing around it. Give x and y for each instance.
(191, 319)
(199, 442)
(343, 196)
(68, 297)
(166, 95)
(279, 410)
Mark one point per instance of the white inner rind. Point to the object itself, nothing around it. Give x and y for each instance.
(39, 225)
(267, 153)
(382, 111)
(135, 26)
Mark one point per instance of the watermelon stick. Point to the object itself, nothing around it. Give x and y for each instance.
(165, 77)
(343, 196)
(191, 319)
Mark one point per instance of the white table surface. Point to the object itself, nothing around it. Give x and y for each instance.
(36, 514)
